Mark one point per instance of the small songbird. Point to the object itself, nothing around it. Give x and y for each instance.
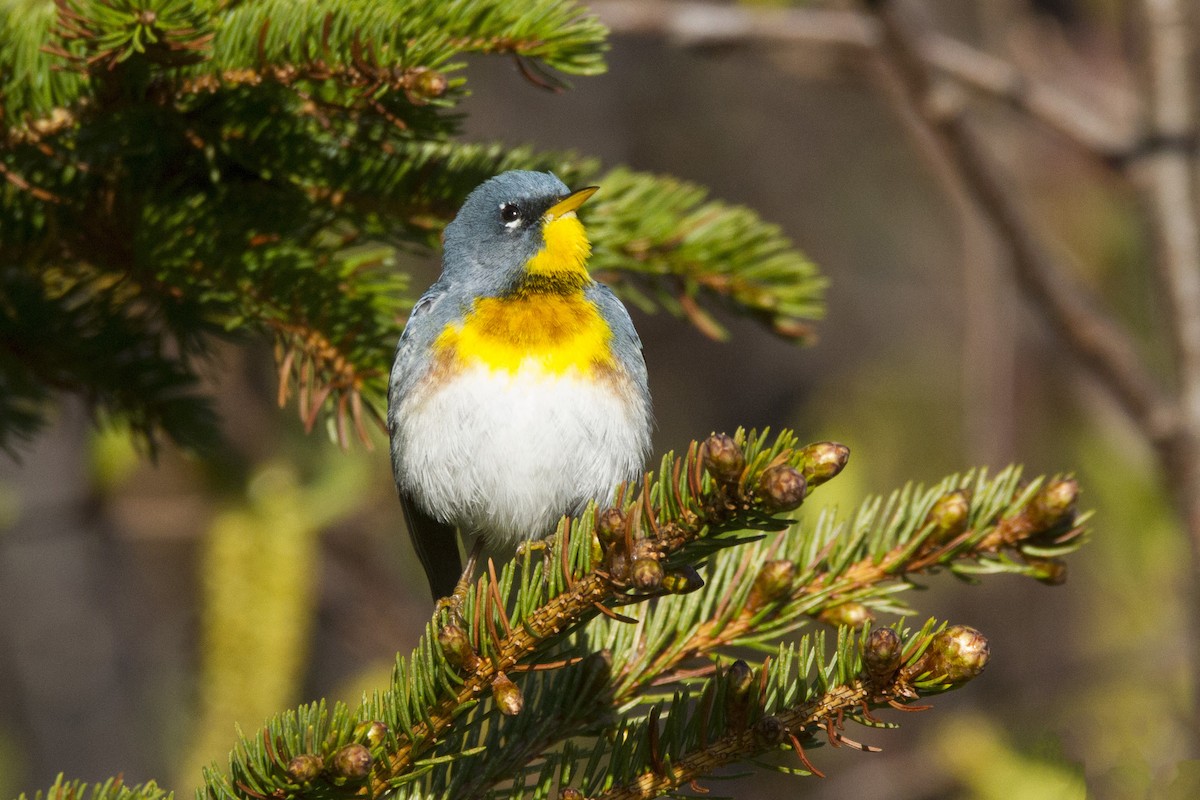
(519, 392)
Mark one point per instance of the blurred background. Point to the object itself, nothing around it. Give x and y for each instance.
(117, 574)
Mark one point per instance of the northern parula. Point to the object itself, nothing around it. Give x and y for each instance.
(519, 391)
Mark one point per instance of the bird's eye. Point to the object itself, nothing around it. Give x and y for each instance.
(509, 213)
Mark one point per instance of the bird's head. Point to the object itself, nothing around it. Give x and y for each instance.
(516, 228)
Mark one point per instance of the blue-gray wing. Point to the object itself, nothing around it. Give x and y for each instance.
(627, 345)
(412, 361)
(435, 542)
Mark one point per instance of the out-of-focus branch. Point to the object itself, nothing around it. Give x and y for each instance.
(1061, 111)
(1095, 338)
(1170, 172)
(706, 24)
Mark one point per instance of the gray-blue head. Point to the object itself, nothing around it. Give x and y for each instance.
(503, 224)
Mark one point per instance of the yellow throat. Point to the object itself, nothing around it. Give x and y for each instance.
(546, 322)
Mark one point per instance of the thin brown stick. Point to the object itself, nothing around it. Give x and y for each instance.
(1090, 333)
(1170, 172)
(741, 744)
(708, 24)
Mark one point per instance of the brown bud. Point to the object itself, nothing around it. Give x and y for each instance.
(618, 564)
(376, 733)
(456, 646)
(433, 83)
(956, 655)
(821, 461)
(610, 526)
(739, 678)
(773, 582)
(353, 761)
(782, 488)
(769, 730)
(646, 574)
(949, 516)
(1050, 571)
(570, 793)
(507, 695)
(1054, 503)
(425, 85)
(882, 653)
(305, 768)
(723, 457)
(850, 613)
(682, 580)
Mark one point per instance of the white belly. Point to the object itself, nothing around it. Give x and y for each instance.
(507, 455)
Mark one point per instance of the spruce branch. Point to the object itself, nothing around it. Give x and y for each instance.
(663, 234)
(276, 162)
(788, 703)
(515, 618)
(361, 52)
(543, 667)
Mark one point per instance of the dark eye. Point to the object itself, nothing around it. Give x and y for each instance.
(509, 213)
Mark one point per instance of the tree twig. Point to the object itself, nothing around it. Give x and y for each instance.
(1099, 342)
(1170, 172)
(706, 24)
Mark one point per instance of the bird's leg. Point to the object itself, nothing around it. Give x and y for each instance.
(532, 545)
(454, 602)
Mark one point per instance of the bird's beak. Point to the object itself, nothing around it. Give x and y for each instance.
(569, 203)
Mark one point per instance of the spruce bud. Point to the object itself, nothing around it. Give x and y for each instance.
(782, 488)
(769, 730)
(353, 761)
(456, 646)
(957, 655)
(610, 526)
(850, 613)
(570, 793)
(646, 574)
(882, 653)
(774, 581)
(739, 678)
(305, 768)
(1053, 503)
(682, 580)
(507, 695)
(618, 564)
(376, 733)
(1050, 571)
(425, 85)
(723, 458)
(821, 461)
(949, 516)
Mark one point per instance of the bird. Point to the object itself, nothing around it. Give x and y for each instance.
(519, 389)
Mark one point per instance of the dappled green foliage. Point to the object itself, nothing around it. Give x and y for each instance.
(181, 172)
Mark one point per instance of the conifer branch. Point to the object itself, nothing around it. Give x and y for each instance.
(791, 706)
(279, 159)
(834, 572)
(528, 657)
(692, 505)
(529, 671)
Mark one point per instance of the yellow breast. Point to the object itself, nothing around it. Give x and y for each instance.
(547, 322)
(555, 332)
